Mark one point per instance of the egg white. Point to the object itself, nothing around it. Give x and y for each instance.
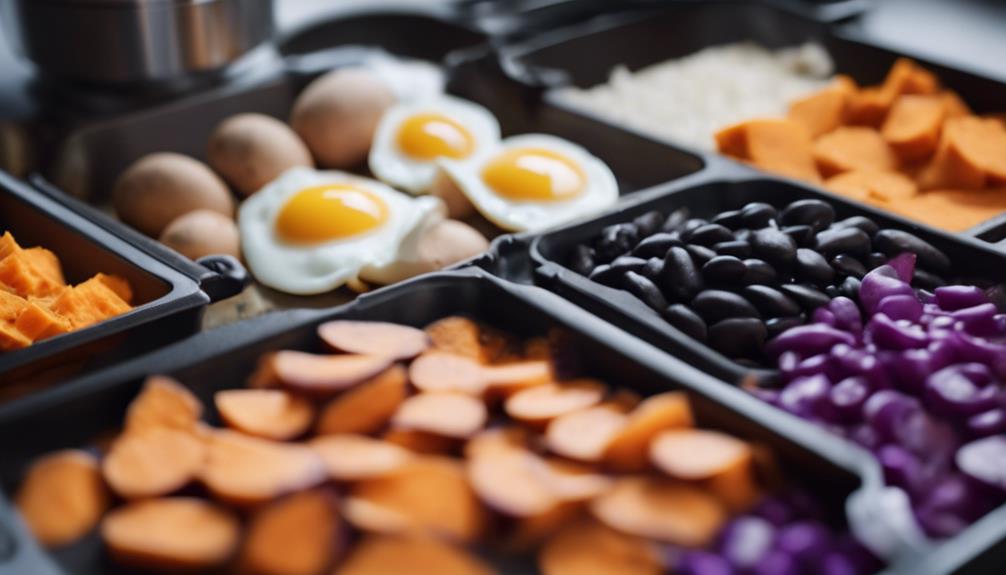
(601, 189)
(318, 268)
(393, 166)
(408, 79)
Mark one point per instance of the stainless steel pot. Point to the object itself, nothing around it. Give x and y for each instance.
(135, 41)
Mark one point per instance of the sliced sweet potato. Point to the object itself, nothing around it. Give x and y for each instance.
(660, 509)
(507, 379)
(540, 404)
(117, 284)
(458, 335)
(37, 323)
(820, 112)
(243, 470)
(268, 413)
(913, 125)
(954, 210)
(353, 457)
(587, 546)
(697, 454)
(869, 106)
(446, 414)
(527, 534)
(873, 186)
(62, 497)
(374, 338)
(163, 403)
(432, 493)
(11, 337)
(171, 535)
(442, 371)
(153, 462)
(88, 303)
(737, 487)
(972, 152)
(416, 555)
(624, 400)
(497, 439)
(954, 105)
(421, 441)
(264, 376)
(8, 245)
(376, 519)
(571, 481)
(366, 408)
(21, 274)
(298, 535)
(853, 148)
(325, 375)
(628, 450)
(11, 306)
(778, 146)
(584, 435)
(907, 77)
(46, 263)
(508, 482)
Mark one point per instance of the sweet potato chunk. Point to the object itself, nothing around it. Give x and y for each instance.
(696, 454)
(171, 535)
(446, 414)
(297, 535)
(540, 404)
(571, 481)
(19, 272)
(779, 146)
(912, 127)
(510, 378)
(243, 470)
(268, 413)
(89, 303)
(628, 450)
(459, 336)
(355, 457)
(590, 547)
(153, 462)
(374, 338)
(46, 263)
(432, 493)
(820, 112)
(37, 322)
(954, 210)
(874, 186)
(659, 509)
(440, 371)
(972, 152)
(324, 375)
(163, 403)
(421, 441)
(62, 497)
(508, 482)
(416, 555)
(366, 408)
(954, 105)
(497, 439)
(584, 435)
(853, 148)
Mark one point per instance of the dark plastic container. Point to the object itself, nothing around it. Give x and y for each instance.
(224, 359)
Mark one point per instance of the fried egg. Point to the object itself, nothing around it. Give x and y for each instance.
(533, 181)
(309, 231)
(413, 135)
(408, 79)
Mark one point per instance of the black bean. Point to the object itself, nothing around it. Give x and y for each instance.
(894, 242)
(862, 222)
(582, 260)
(875, 260)
(675, 220)
(701, 254)
(927, 280)
(813, 213)
(774, 247)
(724, 269)
(653, 268)
(615, 240)
(848, 266)
(832, 242)
(730, 219)
(641, 287)
(770, 302)
(710, 234)
(680, 279)
(738, 337)
(657, 244)
(686, 320)
(850, 288)
(758, 214)
(735, 248)
(812, 267)
(742, 234)
(649, 222)
(691, 225)
(778, 325)
(832, 291)
(759, 272)
(615, 270)
(602, 274)
(809, 297)
(715, 305)
(802, 235)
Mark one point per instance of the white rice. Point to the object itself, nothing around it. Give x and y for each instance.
(687, 100)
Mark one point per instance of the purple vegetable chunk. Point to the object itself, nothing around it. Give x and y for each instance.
(777, 562)
(808, 340)
(825, 316)
(745, 540)
(952, 298)
(836, 563)
(806, 396)
(904, 266)
(695, 562)
(878, 284)
(848, 397)
(886, 334)
(901, 467)
(886, 409)
(803, 540)
(951, 392)
(847, 315)
(984, 460)
(991, 422)
(900, 307)
(978, 320)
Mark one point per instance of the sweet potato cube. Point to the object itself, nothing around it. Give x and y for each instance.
(11, 338)
(954, 105)
(778, 146)
(822, 111)
(853, 148)
(19, 272)
(954, 210)
(972, 152)
(878, 187)
(11, 306)
(38, 322)
(46, 263)
(912, 127)
(8, 245)
(89, 303)
(117, 284)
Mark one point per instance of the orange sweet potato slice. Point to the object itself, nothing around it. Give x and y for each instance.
(375, 519)
(873, 186)
(163, 403)
(497, 439)
(441, 371)
(459, 336)
(89, 303)
(954, 105)
(697, 454)
(820, 112)
(46, 263)
(20, 274)
(62, 497)
(11, 338)
(323, 375)
(117, 284)
(11, 306)
(351, 457)
(954, 210)
(779, 146)
(416, 555)
(540, 404)
(584, 435)
(153, 462)
(268, 413)
(366, 408)
(171, 535)
(37, 322)
(374, 338)
(421, 441)
(8, 245)
(298, 535)
(587, 546)
(571, 481)
(972, 152)
(853, 148)
(508, 482)
(912, 127)
(446, 414)
(432, 493)
(510, 378)
(628, 450)
(656, 508)
(243, 470)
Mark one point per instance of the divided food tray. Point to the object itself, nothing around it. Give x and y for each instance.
(225, 358)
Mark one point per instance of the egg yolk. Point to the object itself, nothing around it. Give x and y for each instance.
(430, 136)
(534, 174)
(329, 212)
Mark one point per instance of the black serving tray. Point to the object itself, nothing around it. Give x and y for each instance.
(224, 358)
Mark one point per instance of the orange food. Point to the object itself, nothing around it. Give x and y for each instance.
(912, 128)
(696, 454)
(779, 146)
(585, 435)
(628, 450)
(298, 535)
(374, 338)
(445, 414)
(366, 408)
(416, 555)
(853, 148)
(954, 210)
(268, 413)
(153, 462)
(163, 403)
(324, 375)
(822, 111)
(507, 482)
(354, 457)
(62, 497)
(439, 371)
(590, 547)
(877, 187)
(88, 303)
(458, 335)
(540, 404)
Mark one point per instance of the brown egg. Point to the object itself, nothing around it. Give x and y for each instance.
(159, 188)
(429, 248)
(251, 150)
(337, 115)
(445, 188)
(202, 233)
